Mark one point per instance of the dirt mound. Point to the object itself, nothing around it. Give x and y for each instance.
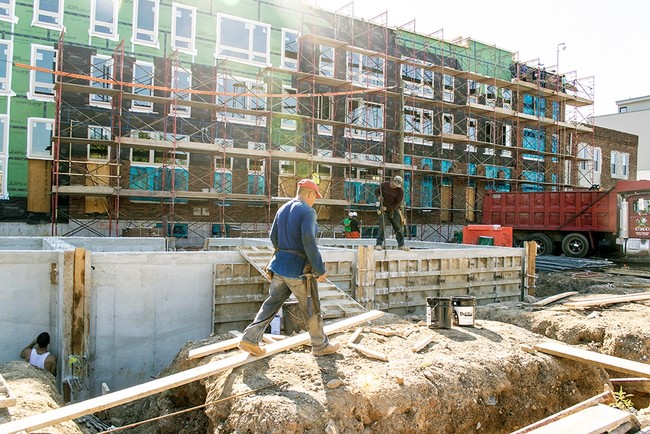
(35, 394)
(466, 380)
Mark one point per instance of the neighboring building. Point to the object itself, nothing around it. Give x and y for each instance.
(633, 117)
(197, 118)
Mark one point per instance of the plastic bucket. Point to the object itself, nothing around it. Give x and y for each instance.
(439, 312)
(292, 318)
(464, 310)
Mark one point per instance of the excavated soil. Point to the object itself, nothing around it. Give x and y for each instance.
(469, 379)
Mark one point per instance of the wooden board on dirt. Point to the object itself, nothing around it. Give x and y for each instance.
(628, 272)
(7, 398)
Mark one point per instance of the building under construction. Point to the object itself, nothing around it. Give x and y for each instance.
(196, 122)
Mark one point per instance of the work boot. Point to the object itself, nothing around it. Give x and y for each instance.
(405, 248)
(329, 349)
(378, 247)
(251, 348)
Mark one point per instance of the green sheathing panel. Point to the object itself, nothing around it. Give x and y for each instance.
(471, 55)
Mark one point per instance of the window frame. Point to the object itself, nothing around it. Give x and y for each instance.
(32, 94)
(30, 138)
(323, 129)
(113, 35)
(367, 120)
(444, 122)
(191, 41)
(448, 83)
(147, 107)
(152, 33)
(179, 110)
(417, 80)
(326, 65)
(58, 16)
(10, 16)
(250, 52)
(288, 62)
(418, 125)
(366, 75)
(153, 154)
(286, 123)
(108, 132)
(246, 102)
(6, 82)
(95, 99)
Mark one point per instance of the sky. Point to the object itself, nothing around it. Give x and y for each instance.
(606, 40)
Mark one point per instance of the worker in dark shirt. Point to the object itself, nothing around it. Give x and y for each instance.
(296, 268)
(390, 194)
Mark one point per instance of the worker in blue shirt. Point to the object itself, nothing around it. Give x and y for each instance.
(296, 267)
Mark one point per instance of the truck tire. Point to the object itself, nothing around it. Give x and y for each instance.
(544, 243)
(575, 245)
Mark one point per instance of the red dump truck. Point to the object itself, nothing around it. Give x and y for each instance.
(577, 222)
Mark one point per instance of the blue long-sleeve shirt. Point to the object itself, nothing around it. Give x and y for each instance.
(293, 235)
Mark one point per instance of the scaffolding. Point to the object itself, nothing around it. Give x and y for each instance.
(213, 150)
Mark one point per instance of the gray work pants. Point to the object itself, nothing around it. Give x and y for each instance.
(279, 291)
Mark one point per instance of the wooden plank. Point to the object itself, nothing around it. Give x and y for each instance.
(549, 300)
(628, 272)
(78, 334)
(369, 352)
(609, 362)
(531, 254)
(355, 335)
(604, 397)
(422, 343)
(602, 301)
(597, 419)
(129, 394)
(7, 398)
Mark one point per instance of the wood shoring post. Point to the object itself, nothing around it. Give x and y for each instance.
(605, 397)
(129, 394)
(531, 254)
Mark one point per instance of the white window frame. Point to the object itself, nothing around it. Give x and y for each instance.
(472, 129)
(112, 33)
(150, 35)
(491, 95)
(448, 88)
(506, 139)
(8, 12)
(289, 62)
(490, 132)
(33, 94)
(49, 126)
(101, 100)
(366, 110)
(364, 72)
(420, 79)
(245, 55)
(417, 125)
(447, 120)
(256, 146)
(56, 16)
(105, 135)
(246, 101)
(4, 137)
(323, 129)
(153, 154)
(285, 123)
(287, 167)
(189, 44)
(179, 109)
(506, 95)
(3, 177)
(620, 165)
(326, 63)
(5, 83)
(140, 105)
(473, 91)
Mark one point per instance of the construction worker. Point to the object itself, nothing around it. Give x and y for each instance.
(296, 267)
(390, 194)
(351, 226)
(36, 353)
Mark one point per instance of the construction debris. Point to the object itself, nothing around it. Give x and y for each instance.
(7, 398)
(565, 263)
